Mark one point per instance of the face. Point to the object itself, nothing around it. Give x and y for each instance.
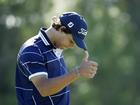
(64, 40)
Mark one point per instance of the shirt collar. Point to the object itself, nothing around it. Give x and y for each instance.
(42, 34)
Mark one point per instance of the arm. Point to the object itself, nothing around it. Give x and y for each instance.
(51, 86)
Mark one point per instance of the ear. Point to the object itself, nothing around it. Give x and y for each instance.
(56, 20)
(62, 28)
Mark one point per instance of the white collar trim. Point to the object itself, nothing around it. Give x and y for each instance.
(58, 52)
(43, 38)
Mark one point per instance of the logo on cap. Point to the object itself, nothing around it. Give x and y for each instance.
(82, 31)
(70, 24)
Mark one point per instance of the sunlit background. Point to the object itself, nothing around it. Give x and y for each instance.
(113, 41)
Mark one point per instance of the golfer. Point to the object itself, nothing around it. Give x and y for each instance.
(42, 77)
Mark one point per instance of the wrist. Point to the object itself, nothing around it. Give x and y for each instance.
(77, 72)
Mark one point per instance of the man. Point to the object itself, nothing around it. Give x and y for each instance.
(41, 76)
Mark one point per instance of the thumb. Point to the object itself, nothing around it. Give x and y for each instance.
(86, 56)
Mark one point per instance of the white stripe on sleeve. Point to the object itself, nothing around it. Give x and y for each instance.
(37, 74)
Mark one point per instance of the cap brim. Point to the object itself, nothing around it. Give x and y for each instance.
(79, 42)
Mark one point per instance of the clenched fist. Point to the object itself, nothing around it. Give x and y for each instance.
(87, 68)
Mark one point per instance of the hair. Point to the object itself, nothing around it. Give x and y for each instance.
(64, 29)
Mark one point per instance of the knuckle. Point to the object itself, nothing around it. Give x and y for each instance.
(93, 63)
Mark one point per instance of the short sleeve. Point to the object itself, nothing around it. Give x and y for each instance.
(31, 62)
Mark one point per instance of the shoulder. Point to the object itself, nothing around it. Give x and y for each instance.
(30, 49)
(30, 45)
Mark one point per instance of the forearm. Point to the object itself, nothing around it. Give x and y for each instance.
(53, 85)
(58, 83)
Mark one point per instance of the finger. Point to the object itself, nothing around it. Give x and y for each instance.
(93, 68)
(93, 63)
(91, 75)
(86, 56)
(93, 71)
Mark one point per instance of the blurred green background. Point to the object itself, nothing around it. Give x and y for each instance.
(113, 41)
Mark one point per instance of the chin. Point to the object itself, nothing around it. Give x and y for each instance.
(63, 47)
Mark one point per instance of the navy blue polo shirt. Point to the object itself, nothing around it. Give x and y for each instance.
(38, 56)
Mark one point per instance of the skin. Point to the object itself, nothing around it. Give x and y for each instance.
(60, 39)
(87, 69)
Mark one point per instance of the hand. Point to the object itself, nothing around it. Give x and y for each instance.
(88, 68)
